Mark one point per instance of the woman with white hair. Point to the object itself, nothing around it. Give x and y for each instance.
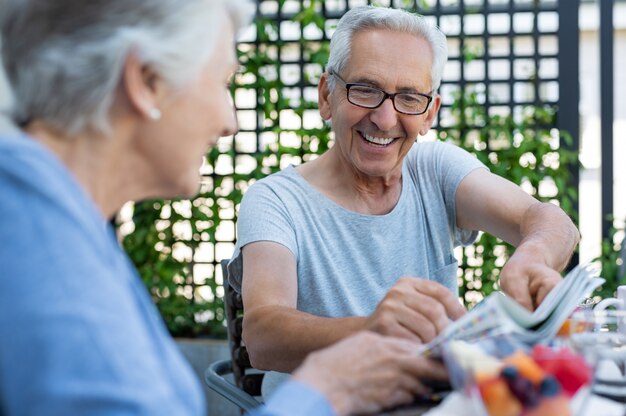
(118, 100)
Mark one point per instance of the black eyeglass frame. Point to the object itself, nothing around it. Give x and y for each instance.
(348, 85)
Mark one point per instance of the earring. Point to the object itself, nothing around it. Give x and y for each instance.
(154, 114)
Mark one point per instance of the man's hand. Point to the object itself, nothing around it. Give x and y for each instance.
(544, 236)
(368, 372)
(415, 309)
(527, 279)
(544, 251)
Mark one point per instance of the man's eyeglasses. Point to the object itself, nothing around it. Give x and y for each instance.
(366, 96)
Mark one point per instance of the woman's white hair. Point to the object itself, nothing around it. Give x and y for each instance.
(64, 58)
(398, 20)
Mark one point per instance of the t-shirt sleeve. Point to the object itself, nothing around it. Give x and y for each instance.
(446, 165)
(455, 164)
(263, 216)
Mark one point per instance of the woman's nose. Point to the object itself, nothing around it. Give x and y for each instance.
(231, 126)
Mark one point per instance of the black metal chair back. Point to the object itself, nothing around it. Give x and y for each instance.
(246, 378)
(245, 392)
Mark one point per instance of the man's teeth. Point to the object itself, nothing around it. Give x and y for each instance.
(378, 140)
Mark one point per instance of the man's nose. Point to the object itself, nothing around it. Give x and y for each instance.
(385, 116)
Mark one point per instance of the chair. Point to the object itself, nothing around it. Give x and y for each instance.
(248, 380)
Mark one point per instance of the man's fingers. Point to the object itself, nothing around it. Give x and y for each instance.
(519, 291)
(423, 315)
(415, 309)
(540, 287)
(420, 325)
(452, 307)
(423, 307)
(428, 369)
(407, 332)
(525, 300)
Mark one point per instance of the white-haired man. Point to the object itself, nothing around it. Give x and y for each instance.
(363, 236)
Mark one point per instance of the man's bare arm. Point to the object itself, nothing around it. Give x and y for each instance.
(544, 236)
(279, 337)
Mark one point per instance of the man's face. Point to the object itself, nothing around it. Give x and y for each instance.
(393, 62)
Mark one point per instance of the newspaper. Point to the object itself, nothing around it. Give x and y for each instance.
(499, 314)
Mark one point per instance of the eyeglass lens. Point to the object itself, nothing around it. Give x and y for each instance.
(371, 97)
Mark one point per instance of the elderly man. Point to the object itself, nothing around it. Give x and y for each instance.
(363, 236)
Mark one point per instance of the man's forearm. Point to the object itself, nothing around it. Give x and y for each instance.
(279, 338)
(547, 231)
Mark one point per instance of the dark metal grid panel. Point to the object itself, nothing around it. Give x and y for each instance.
(606, 113)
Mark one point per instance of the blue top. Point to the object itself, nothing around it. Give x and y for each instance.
(79, 333)
(294, 398)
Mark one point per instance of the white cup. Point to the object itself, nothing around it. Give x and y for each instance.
(619, 302)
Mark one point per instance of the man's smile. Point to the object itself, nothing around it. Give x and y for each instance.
(379, 141)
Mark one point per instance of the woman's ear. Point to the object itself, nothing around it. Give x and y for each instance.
(324, 97)
(142, 87)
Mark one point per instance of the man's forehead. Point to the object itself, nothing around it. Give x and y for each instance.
(415, 82)
(392, 44)
(399, 34)
(378, 57)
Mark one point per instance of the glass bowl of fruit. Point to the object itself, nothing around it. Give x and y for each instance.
(503, 378)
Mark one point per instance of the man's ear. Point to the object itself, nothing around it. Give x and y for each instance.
(142, 86)
(430, 114)
(324, 97)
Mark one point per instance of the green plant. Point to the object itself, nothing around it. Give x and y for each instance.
(611, 259)
(164, 259)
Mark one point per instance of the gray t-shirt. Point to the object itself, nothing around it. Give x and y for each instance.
(346, 261)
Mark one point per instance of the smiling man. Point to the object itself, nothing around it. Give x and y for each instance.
(363, 236)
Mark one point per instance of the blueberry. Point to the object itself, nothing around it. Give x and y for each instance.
(509, 373)
(524, 391)
(549, 387)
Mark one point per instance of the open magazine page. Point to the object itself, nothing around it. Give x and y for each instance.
(499, 314)
(486, 319)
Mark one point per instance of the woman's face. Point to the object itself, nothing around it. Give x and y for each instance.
(192, 121)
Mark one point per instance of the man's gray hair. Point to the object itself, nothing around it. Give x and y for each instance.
(398, 20)
(64, 58)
